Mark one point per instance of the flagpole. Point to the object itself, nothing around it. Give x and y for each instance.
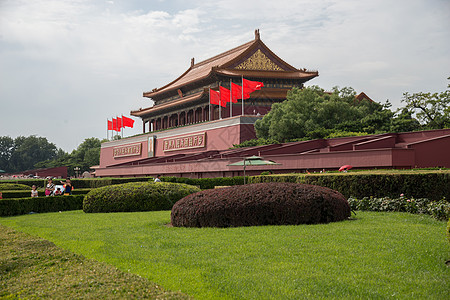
(120, 129)
(231, 102)
(220, 104)
(242, 90)
(107, 134)
(121, 123)
(112, 131)
(209, 104)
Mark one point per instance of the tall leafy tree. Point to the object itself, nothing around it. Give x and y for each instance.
(312, 113)
(404, 121)
(24, 152)
(6, 150)
(85, 156)
(432, 109)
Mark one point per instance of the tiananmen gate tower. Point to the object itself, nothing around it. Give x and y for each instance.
(184, 135)
(185, 100)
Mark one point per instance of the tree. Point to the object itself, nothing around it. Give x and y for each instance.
(404, 122)
(87, 154)
(6, 150)
(84, 157)
(431, 109)
(23, 153)
(312, 113)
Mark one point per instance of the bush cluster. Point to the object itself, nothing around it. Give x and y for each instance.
(437, 209)
(260, 204)
(21, 206)
(136, 196)
(433, 186)
(13, 187)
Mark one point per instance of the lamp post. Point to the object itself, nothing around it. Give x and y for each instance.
(76, 169)
(253, 161)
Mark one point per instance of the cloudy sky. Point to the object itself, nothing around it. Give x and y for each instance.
(66, 66)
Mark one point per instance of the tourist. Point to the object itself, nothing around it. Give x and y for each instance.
(50, 188)
(157, 178)
(67, 187)
(58, 192)
(34, 192)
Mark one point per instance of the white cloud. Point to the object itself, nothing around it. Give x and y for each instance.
(92, 60)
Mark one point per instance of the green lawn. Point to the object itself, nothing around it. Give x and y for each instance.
(34, 268)
(378, 255)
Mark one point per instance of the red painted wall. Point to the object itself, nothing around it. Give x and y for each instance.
(219, 136)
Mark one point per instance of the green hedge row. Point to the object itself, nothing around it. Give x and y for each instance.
(26, 194)
(99, 182)
(13, 187)
(12, 207)
(434, 186)
(40, 183)
(80, 183)
(206, 183)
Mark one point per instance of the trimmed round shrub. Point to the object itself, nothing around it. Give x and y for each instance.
(136, 196)
(14, 187)
(273, 203)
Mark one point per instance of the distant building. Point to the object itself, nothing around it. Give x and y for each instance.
(58, 172)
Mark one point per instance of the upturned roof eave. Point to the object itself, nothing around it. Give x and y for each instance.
(145, 111)
(173, 85)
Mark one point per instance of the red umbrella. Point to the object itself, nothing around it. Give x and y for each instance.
(346, 167)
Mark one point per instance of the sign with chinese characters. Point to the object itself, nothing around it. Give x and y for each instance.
(127, 150)
(151, 146)
(185, 142)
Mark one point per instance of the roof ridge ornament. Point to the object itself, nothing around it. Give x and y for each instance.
(192, 62)
(257, 36)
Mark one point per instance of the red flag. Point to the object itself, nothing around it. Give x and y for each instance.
(127, 122)
(224, 96)
(110, 125)
(117, 124)
(214, 98)
(114, 122)
(236, 91)
(251, 86)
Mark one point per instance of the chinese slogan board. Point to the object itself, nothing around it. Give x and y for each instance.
(185, 142)
(127, 150)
